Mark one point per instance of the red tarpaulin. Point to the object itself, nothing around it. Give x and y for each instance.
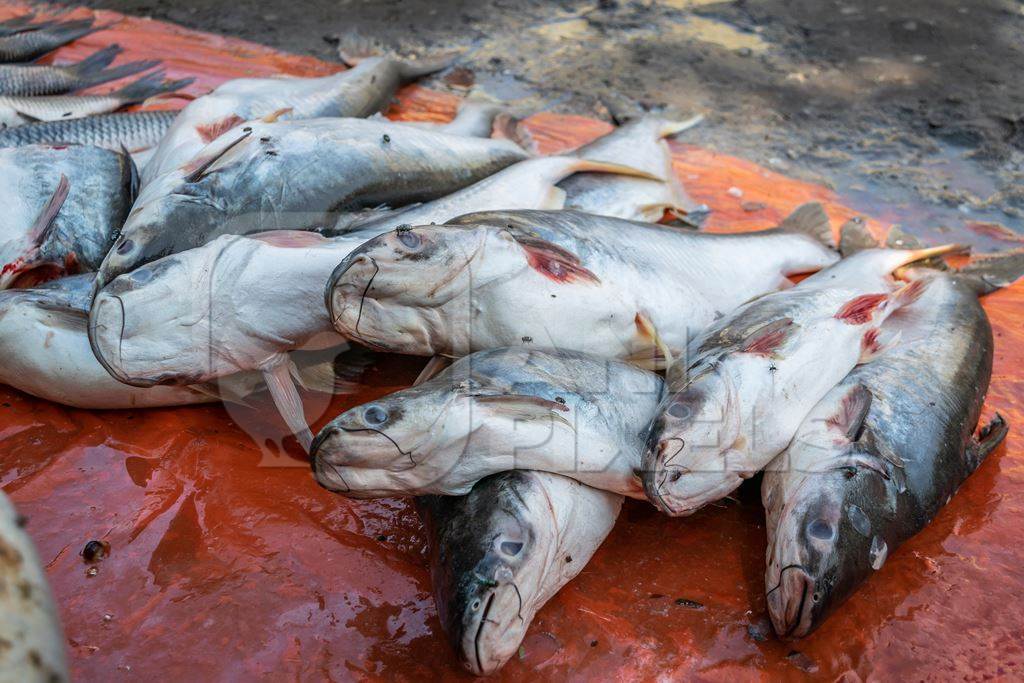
(225, 569)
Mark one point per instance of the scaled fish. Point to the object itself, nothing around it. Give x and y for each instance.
(529, 184)
(362, 90)
(297, 175)
(499, 553)
(30, 633)
(134, 131)
(46, 353)
(639, 144)
(235, 304)
(51, 79)
(19, 110)
(562, 279)
(63, 207)
(557, 411)
(880, 455)
(27, 45)
(752, 377)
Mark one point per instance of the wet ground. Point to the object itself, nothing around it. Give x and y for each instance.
(895, 104)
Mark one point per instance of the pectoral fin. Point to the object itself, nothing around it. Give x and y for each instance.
(289, 403)
(524, 407)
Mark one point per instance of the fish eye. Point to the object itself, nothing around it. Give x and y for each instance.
(125, 247)
(410, 239)
(141, 276)
(679, 410)
(475, 605)
(820, 529)
(375, 415)
(511, 548)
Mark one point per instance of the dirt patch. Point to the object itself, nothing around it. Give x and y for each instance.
(911, 109)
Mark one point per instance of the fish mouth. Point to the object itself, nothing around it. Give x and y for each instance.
(791, 603)
(339, 298)
(326, 452)
(679, 491)
(495, 640)
(108, 316)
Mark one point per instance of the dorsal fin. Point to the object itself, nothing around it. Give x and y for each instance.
(810, 219)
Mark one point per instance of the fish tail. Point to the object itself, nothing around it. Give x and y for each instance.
(672, 128)
(810, 219)
(354, 48)
(96, 62)
(988, 439)
(118, 72)
(147, 86)
(987, 273)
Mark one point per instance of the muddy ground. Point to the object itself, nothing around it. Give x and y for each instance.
(911, 108)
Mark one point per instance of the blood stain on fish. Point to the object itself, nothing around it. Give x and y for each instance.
(860, 310)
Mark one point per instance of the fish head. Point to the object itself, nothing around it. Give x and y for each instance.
(409, 290)
(825, 543)
(402, 440)
(693, 445)
(489, 570)
(150, 326)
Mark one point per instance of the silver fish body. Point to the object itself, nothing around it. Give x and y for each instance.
(529, 184)
(360, 91)
(80, 235)
(236, 304)
(28, 80)
(499, 553)
(30, 630)
(136, 130)
(563, 279)
(639, 144)
(20, 110)
(27, 45)
(548, 410)
(878, 457)
(297, 175)
(47, 353)
(749, 380)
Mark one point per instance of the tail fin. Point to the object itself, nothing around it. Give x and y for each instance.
(671, 128)
(988, 272)
(69, 31)
(148, 86)
(96, 62)
(353, 48)
(988, 439)
(810, 219)
(92, 70)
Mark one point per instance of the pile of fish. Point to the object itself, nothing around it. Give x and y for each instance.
(577, 351)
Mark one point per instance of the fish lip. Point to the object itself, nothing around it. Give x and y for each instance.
(333, 282)
(480, 670)
(778, 607)
(94, 343)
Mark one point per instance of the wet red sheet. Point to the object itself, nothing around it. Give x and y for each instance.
(226, 565)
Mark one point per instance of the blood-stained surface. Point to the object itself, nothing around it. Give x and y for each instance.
(225, 564)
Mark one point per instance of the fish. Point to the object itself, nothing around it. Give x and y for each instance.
(528, 184)
(19, 110)
(27, 45)
(364, 89)
(29, 80)
(297, 174)
(20, 24)
(133, 131)
(233, 305)
(502, 551)
(518, 408)
(47, 354)
(748, 381)
(563, 279)
(882, 452)
(64, 207)
(639, 144)
(30, 629)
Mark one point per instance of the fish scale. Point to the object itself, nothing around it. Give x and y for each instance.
(134, 131)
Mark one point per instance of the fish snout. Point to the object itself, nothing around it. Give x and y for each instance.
(348, 285)
(791, 604)
(323, 460)
(106, 331)
(680, 490)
